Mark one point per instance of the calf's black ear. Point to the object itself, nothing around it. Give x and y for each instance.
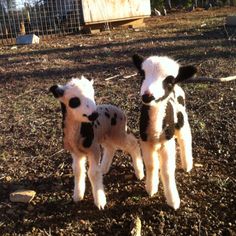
(138, 60)
(185, 72)
(56, 91)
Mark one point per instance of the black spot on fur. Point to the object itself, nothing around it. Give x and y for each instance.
(98, 123)
(107, 114)
(93, 116)
(74, 102)
(113, 119)
(87, 133)
(144, 122)
(168, 86)
(168, 122)
(180, 120)
(63, 111)
(180, 100)
(147, 98)
(168, 83)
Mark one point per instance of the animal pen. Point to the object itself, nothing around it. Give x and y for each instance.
(46, 18)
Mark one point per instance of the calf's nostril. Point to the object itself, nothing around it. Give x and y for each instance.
(93, 116)
(147, 98)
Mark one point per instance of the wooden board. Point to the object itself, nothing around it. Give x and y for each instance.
(113, 10)
(98, 27)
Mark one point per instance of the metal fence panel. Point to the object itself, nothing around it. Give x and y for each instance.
(41, 17)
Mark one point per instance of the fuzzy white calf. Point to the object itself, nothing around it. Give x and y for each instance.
(86, 127)
(163, 118)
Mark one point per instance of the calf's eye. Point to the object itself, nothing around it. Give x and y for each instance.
(169, 79)
(169, 82)
(74, 102)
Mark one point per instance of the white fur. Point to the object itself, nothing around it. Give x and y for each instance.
(110, 137)
(156, 70)
(79, 171)
(159, 153)
(82, 88)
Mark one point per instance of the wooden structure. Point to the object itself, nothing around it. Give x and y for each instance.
(115, 12)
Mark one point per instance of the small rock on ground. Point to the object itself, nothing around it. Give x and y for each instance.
(24, 196)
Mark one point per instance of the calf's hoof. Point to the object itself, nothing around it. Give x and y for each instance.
(77, 197)
(175, 204)
(100, 200)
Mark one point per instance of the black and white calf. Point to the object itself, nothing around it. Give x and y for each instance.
(86, 127)
(163, 118)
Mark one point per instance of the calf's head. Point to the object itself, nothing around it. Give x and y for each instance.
(77, 99)
(159, 76)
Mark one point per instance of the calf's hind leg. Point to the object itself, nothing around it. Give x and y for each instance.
(130, 145)
(184, 139)
(108, 153)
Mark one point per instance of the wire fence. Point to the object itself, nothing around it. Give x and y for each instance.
(43, 18)
(230, 32)
(47, 18)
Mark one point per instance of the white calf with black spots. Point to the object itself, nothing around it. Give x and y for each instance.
(163, 118)
(87, 127)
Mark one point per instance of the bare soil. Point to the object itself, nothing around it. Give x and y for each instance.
(32, 155)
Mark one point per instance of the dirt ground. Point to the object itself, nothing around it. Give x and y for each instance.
(31, 152)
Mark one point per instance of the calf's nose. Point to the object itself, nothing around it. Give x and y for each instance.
(93, 116)
(147, 97)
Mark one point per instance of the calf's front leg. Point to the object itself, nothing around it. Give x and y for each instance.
(79, 171)
(167, 169)
(151, 162)
(96, 180)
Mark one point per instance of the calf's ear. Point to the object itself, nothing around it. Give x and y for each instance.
(85, 78)
(185, 72)
(57, 91)
(138, 60)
